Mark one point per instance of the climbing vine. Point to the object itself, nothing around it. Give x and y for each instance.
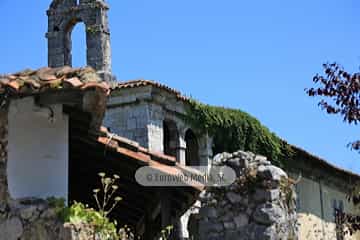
(234, 130)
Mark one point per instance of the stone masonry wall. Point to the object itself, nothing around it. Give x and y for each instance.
(29, 219)
(139, 114)
(129, 122)
(34, 219)
(63, 15)
(260, 205)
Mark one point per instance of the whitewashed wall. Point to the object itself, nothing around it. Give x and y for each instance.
(37, 151)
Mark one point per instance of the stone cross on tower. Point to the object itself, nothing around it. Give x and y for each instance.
(63, 16)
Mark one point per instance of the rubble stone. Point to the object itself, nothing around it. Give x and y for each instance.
(247, 209)
(11, 229)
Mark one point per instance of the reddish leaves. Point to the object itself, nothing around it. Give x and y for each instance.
(339, 92)
(346, 224)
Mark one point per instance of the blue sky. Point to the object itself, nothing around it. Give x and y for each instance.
(254, 55)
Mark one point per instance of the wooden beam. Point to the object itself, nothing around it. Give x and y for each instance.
(68, 97)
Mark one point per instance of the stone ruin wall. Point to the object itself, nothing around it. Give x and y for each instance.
(259, 205)
(34, 219)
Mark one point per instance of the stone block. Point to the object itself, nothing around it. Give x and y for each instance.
(233, 235)
(219, 159)
(261, 232)
(11, 229)
(241, 220)
(234, 197)
(249, 210)
(271, 173)
(261, 160)
(209, 212)
(268, 214)
(131, 124)
(49, 214)
(229, 226)
(29, 212)
(264, 195)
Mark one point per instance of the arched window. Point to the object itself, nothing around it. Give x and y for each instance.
(192, 149)
(72, 30)
(61, 23)
(171, 138)
(78, 46)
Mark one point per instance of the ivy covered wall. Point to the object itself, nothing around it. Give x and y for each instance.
(235, 130)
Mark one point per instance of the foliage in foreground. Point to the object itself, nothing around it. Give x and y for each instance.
(98, 219)
(102, 226)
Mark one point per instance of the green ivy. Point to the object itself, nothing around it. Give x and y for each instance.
(80, 213)
(235, 130)
(61, 210)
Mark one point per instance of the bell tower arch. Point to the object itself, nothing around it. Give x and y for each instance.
(63, 15)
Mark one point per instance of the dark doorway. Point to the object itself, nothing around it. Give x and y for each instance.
(171, 138)
(192, 149)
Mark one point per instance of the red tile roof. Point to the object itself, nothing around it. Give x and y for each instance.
(142, 83)
(30, 82)
(164, 163)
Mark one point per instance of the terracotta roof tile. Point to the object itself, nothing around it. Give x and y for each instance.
(14, 85)
(29, 82)
(142, 83)
(164, 163)
(74, 82)
(116, 142)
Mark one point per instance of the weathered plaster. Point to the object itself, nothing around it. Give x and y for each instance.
(38, 147)
(315, 207)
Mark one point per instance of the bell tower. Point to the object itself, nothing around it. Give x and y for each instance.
(63, 15)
